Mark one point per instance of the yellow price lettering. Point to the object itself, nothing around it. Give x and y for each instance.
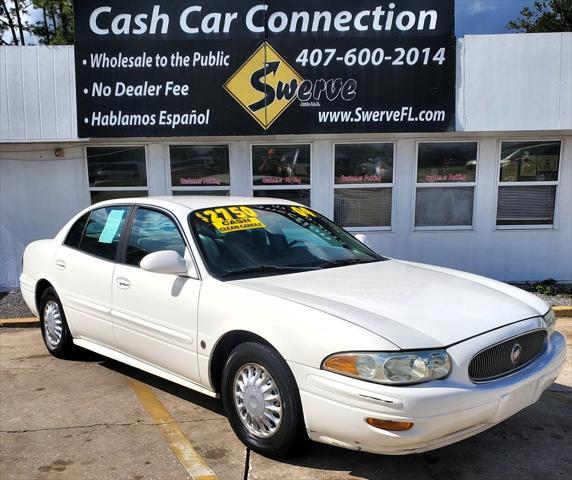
(238, 213)
(305, 212)
(249, 212)
(224, 213)
(220, 214)
(212, 215)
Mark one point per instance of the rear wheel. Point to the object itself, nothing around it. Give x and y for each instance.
(261, 400)
(55, 331)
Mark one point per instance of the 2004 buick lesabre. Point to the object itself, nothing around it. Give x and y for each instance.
(299, 327)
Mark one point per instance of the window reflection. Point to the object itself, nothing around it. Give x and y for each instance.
(281, 165)
(446, 162)
(529, 161)
(199, 165)
(364, 163)
(116, 167)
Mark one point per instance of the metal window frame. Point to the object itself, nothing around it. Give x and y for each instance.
(498, 184)
(193, 188)
(473, 185)
(116, 189)
(334, 186)
(253, 187)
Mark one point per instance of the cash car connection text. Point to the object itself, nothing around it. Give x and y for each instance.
(194, 19)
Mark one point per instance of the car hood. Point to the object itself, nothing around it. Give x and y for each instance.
(412, 305)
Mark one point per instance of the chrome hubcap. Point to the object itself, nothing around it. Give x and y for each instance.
(53, 323)
(257, 400)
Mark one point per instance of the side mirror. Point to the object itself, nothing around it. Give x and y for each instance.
(363, 239)
(165, 261)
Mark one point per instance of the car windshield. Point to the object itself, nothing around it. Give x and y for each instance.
(248, 241)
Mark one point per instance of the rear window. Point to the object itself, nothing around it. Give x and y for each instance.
(103, 230)
(76, 231)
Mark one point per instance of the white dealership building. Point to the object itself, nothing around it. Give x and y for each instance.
(494, 197)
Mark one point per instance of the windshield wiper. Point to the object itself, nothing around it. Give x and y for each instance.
(344, 262)
(266, 269)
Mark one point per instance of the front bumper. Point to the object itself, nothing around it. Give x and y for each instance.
(443, 412)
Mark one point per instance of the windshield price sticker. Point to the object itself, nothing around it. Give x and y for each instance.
(231, 219)
(303, 211)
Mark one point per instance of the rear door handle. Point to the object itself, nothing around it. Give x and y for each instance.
(122, 282)
(60, 264)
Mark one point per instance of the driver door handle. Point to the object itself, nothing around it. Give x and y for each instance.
(60, 264)
(122, 282)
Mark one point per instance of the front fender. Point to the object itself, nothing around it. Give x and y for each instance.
(298, 332)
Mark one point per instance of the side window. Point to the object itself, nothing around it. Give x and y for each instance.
(75, 232)
(152, 232)
(102, 232)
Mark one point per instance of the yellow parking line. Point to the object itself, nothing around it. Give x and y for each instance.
(195, 465)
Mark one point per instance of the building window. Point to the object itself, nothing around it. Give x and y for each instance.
(116, 172)
(199, 169)
(445, 188)
(281, 171)
(363, 181)
(527, 183)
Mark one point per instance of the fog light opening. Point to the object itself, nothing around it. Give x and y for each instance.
(390, 425)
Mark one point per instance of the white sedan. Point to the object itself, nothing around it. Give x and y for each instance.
(301, 329)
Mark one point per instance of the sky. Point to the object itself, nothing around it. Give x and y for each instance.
(472, 17)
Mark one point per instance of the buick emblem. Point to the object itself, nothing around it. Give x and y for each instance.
(515, 353)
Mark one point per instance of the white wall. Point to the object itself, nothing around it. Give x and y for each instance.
(514, 82)
(37, 94)
(39, 193)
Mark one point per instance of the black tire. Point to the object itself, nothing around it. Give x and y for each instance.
(290, 433)
(64, 347)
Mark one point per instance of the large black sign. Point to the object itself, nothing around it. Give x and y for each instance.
(235, 67)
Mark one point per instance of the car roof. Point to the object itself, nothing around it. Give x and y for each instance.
(196, 202)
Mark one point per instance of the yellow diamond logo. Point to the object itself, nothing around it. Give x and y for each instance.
(265, 85)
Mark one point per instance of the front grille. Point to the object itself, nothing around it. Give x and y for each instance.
(506, 357)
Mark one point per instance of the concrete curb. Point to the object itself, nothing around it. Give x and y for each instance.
(563, 311)
(25, 322)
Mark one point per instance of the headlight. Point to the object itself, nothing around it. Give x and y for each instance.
(391, 368)
(549, 321)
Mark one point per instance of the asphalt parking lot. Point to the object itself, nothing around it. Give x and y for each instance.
(97, 419)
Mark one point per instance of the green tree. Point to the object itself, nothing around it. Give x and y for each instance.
(544, 16)
(12, 26)
(56, 24)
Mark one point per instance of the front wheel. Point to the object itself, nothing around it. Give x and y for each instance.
(261, 400)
